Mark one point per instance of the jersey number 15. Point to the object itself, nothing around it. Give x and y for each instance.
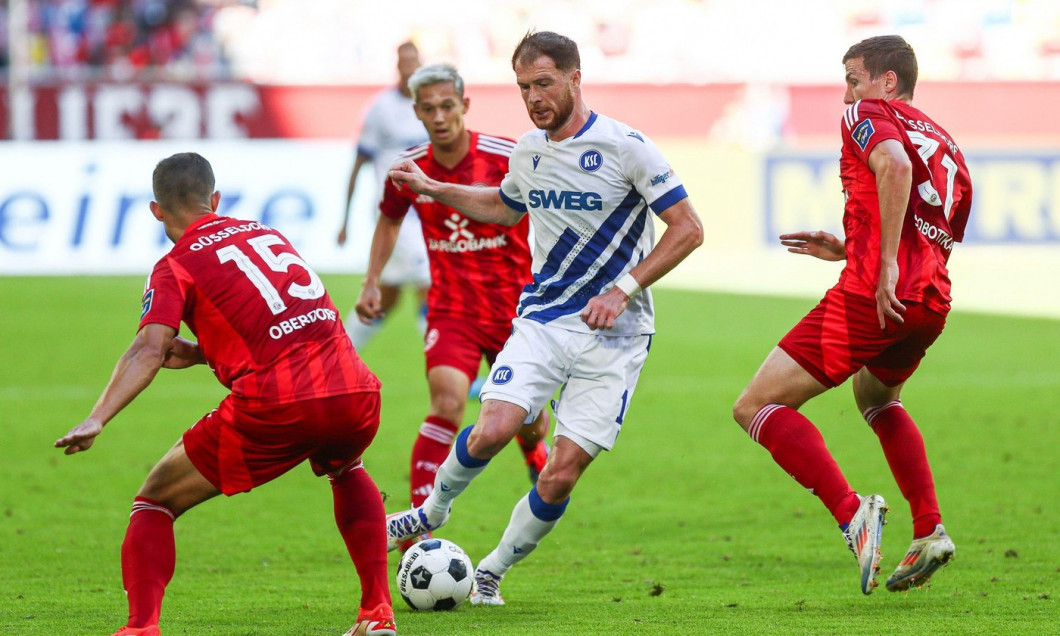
(277, 262)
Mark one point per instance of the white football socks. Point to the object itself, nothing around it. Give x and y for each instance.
(453, 478)
(359, 332)
(421, 322)
(525, 530)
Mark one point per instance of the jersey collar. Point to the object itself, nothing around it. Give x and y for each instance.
(588, 124)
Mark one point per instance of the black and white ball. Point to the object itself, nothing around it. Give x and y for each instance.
(435, 574)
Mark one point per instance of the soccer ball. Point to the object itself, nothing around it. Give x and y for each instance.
(435, 574)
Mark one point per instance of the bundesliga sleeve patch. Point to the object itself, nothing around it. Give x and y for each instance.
(145, 304)
(862, 133)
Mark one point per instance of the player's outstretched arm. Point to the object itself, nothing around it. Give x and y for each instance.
(819, 244)
(133, 373)
(479, 203)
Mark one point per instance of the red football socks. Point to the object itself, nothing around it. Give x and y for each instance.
(527, 447)
(361, 519)
(148, 558)
(430, 450)
(903, 446)
(798, 447)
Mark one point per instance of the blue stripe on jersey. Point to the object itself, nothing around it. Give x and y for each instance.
(564, 246)
(512, 203)
(608, 273)
(605, 276)
(591, 251)
(587, 126)
(361, 150)
(584, 259)
(665, 201)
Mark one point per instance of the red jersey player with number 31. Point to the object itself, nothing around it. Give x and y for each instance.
(270, 333)
(908, 196)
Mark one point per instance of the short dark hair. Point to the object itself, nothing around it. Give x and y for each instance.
(561, 49)
(183, 181)
(887, 53)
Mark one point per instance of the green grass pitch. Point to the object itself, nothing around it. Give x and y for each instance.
(687, 527)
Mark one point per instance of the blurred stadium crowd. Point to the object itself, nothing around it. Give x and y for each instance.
(113, 39)
(638, 41)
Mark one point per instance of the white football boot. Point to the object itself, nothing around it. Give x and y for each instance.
(863, 536)
(402, 526)
(924, 557)
(487, 589)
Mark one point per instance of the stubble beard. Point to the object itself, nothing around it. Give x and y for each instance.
(561, 113)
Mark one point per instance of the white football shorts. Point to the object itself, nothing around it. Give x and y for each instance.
(595, 373)
(408, 263)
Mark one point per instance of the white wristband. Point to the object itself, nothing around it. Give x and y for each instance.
(628, 284)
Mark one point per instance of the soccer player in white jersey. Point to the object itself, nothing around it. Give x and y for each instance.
(389, 128)
(592, 187)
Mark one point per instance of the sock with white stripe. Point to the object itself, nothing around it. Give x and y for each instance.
(531, 520)
(454, 475)
(430, 450)
(148, 559)
(798, 447)
(903, 446)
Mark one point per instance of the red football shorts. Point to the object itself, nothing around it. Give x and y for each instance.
(842, 334)
(238, 447)
(462, 343)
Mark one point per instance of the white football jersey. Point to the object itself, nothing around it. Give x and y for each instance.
(590, 199)
(389, 128)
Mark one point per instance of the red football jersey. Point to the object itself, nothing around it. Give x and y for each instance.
(263, 319)
(939, 203)
(478, 269)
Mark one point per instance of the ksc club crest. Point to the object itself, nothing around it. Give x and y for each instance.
(591, 160)
(502, 375)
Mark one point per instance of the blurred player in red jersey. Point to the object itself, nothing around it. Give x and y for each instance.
(908, 195)
(269, 331)
(478, 270)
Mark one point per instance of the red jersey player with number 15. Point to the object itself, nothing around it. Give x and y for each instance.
(908, 196)
(270, 333)
(478, 270)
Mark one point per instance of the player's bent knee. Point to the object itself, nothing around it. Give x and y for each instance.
(536, 430)
(486, 441)
(743, 411)
(176, 483)
(540, 425)
(555, 486)
(449, 406)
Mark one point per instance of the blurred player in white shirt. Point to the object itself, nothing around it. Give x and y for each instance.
(390, 127)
